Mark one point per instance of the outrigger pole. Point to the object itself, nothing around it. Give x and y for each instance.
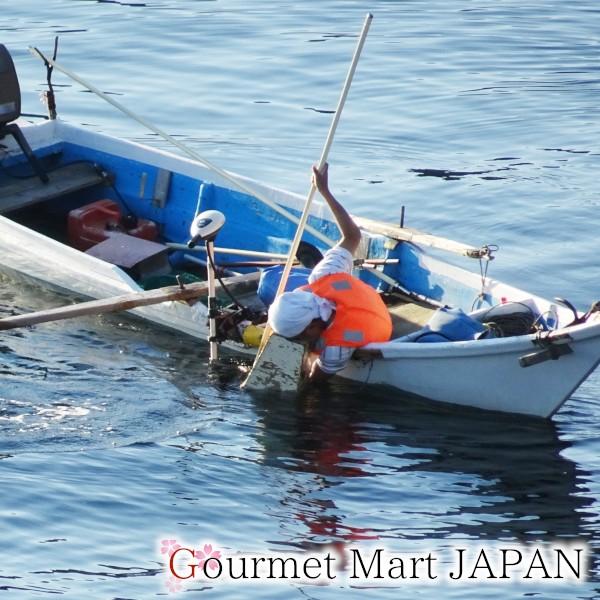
(398, 233)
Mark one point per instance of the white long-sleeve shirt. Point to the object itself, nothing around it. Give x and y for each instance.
(336, 260)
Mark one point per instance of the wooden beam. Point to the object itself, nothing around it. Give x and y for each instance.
(124, 302)
(405, 234)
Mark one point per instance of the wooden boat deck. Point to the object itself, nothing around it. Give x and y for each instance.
(409, 317)
(21, 193)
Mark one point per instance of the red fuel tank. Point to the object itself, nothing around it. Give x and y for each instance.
(93, 223)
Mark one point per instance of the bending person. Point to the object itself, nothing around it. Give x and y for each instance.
(336, 312)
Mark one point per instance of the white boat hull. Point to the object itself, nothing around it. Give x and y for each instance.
(47, 261)
(484, 374)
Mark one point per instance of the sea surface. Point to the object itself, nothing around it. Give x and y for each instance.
(481, 118)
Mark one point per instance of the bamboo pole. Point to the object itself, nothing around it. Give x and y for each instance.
(311, 193)
(238, 183)
(396, 233)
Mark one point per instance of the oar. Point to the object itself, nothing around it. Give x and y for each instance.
(117, 303)
(254, 379)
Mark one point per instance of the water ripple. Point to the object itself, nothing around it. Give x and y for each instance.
(482, 120)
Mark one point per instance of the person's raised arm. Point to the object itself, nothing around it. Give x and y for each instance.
(351, 235)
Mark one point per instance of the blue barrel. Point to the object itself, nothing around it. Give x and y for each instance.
(271, 276)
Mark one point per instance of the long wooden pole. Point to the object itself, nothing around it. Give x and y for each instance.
(117, 303)
(106, 305)
(325, 152)
(321, 163)
(235, 251)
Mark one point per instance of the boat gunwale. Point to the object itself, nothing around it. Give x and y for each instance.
(52, 132)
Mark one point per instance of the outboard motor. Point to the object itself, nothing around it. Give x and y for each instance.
(205, 227)
(10, 109)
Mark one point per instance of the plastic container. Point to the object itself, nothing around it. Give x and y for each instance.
(93, 223)
(252, 335)
(552, 317)
(270, 277)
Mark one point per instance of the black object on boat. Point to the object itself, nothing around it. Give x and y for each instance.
(10, 110)
(308, 255)
(509, 319)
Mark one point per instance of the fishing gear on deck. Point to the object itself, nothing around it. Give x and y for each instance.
(510, 319)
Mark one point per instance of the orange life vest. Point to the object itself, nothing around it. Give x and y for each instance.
(360, 318)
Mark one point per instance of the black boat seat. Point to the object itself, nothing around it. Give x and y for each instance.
(10, 109)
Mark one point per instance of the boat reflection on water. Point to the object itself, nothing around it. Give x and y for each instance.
(369, 468)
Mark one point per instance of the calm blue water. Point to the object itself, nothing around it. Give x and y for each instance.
(114, 435)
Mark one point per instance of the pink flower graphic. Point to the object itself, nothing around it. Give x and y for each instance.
(169, 547)
(174, 585)
(205, 555)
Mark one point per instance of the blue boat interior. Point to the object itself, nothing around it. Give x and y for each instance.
(250, 224)
(122, 196)
(136, 216)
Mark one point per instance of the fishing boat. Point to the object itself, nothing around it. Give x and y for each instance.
(98, 217)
